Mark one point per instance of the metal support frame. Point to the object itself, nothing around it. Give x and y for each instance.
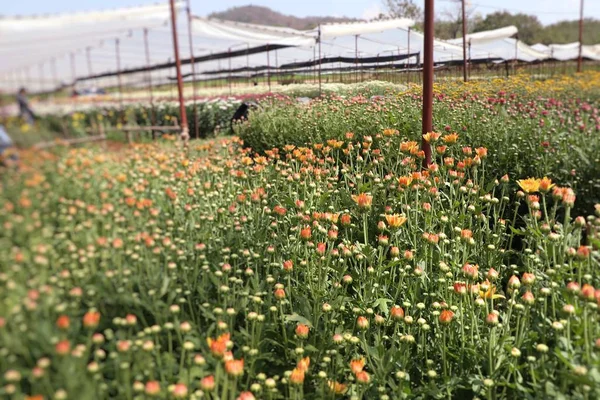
(580, 58)
(464, 32)
(427, 81)
(185, 135)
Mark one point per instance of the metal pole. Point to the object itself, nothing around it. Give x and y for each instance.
(427, 81)
(189, 15)
(580, 58)
(147, 50)
(119, 82)
(319, 38)
(268, 68)
(464, 29)
(184, 124)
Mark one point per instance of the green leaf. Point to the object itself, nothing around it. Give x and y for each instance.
(297, 318)
(382, 304)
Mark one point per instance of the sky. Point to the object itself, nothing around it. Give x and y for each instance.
(548, 11)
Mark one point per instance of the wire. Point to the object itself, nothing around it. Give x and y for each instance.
(515, 9)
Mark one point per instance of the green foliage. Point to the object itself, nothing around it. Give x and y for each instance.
(525, 138)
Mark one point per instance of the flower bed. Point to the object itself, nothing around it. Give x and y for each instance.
(339, 270)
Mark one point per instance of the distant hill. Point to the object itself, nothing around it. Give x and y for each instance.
(265, 16)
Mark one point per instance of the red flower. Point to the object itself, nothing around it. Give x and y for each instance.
(302, 331)
(63, 322)
(446, 316)
(91, 319)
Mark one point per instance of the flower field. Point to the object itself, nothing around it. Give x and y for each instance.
(325, 263)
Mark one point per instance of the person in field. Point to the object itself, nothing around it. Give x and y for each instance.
(25, 111)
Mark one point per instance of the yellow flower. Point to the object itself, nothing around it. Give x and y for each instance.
(490, 294)
(431, 136)
(450, 138)
(529, 185)
(395, 221)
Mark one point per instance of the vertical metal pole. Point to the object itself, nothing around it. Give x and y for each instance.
(149, 77)
(580, 58)
(268, 68)
(184, 124)
(319, 38)
(119, 82)
(427, 81)
(193, 64)
(464, 29)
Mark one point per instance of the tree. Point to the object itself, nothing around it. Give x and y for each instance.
(568, 32)
(449, 26)
(530, 27)
(403, 9)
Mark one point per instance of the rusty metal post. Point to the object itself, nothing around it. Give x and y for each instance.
(427, 81)
(185, 135)
(464, 29)
(193, 64)
(580, 58)
(147, 50)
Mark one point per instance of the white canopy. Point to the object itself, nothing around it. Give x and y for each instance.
(569, 51)
(491, 35)
(250, 33)
(360, 28)
(498, 43)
